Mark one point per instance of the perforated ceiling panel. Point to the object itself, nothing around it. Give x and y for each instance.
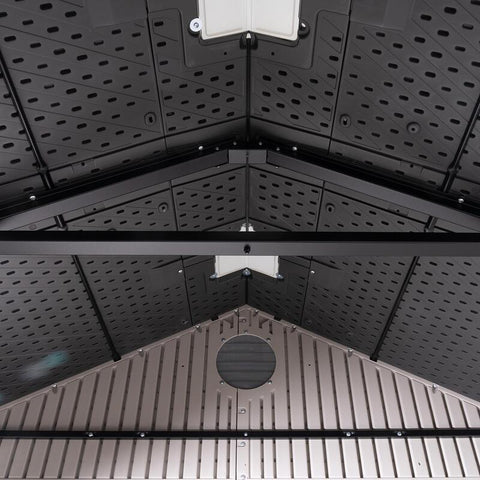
(350, 299)
(283, 202)
(16, 159)
(48, 327)
(87, 90)
(141, 299)
(199, 84)
(436, 332)
(298, 86)
(410, 80)
(285, 297)
(468, 182)
(210, 201)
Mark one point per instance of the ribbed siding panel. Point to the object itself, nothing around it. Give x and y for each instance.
(174, 384)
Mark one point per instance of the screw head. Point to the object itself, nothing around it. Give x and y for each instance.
(269, 382)
(399, 434)
(345, 120)
(312, 272)
(330, 207)
(163, 207)
(54, 387)
(242, 444)
(269, 339)
(243, 410)
(223, 339)
(246, 272)
(461, 200)
(413, 127)
(140, 351)
(434, 387)
(213, 276)
(200, 147)
(142, 434)
(294, 148)
(348, 434)
(195, 25)
(32, 198)
(349, 352)
(89, 434)
(279, 276)
(222, 382)
(245, 434)
(180, 271)
(150, 118)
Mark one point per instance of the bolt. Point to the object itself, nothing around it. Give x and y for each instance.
(223, 339)
(234, 144)
(256, 312)
(222, 382)
(200, 147)
(399, 434)
(413, 127)
(269, 382)
(142, 434)
(243, 410)
(150, 118)
(246, 272)
(236, 311)
(461, 200)
(260, 144)
(54, 387)
(89, 434)
(294, 148)
(279, 276)
(434, 387)
(195, 25)
(140, 352)
(269, 339)
(349, 352)
(348, 434)
(312, 272)
(213, 276)
(242, 444)
(330, 207)
(277, 149)
(163, 207)
(32, 198)
(245, 434)
(180, 271)
(345, 120)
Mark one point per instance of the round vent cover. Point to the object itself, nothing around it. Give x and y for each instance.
(246, 361)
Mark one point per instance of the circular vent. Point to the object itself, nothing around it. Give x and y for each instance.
(246, 361)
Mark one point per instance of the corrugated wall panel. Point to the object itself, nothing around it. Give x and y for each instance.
(174, 384)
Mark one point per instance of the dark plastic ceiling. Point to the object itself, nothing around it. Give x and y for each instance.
(102, 85)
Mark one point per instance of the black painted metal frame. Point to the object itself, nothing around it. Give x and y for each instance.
(372, 244)
(243, 434)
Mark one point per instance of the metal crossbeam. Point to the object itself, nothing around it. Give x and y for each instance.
(314, 244)
(61, 200)
(442, 205)
(244, 434)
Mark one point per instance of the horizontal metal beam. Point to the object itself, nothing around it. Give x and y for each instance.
(61, 200)
(240, 243)
(244, 434)
(449, 207)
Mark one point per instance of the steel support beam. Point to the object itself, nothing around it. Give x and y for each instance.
(244, 434)
(315, 244)
(61, 200)
(411, 196)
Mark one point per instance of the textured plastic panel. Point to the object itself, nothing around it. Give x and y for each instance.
(211, 201)
(174, 384)
(436, 332)
(298, 86)
(49, 330)
(468, 182)
(141, 299)
(210, 298)
(87, 91)
(200, 84)
(410, 79)
(16, 159)
(349, 299)
(283, 202)
(282, 298)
